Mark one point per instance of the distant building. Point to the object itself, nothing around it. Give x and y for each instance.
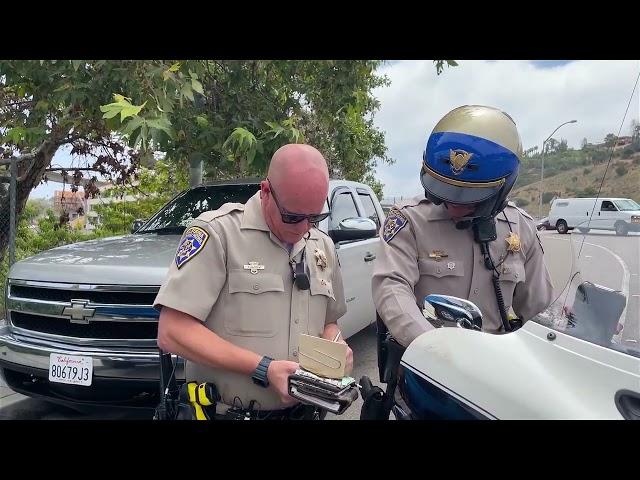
(623, 142)
(93, 218)
(71, 203)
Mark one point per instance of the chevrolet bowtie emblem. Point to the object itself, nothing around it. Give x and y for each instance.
(78, 311)
(458, 160)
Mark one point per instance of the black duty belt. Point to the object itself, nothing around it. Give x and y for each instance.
(297, 412)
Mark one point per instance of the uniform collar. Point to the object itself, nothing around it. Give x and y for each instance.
(439, 212)
(252, 217)
(511, 215)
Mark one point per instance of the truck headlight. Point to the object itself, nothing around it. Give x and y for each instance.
(635, 219)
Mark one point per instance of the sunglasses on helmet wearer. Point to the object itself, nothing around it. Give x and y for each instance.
(289, 217)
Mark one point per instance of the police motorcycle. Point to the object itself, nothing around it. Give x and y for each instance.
(584, 370)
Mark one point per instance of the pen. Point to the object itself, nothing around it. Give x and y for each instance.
(337, 337)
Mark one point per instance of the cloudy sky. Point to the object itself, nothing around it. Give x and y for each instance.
(538, 95)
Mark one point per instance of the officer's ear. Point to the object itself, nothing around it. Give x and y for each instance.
(264, 188)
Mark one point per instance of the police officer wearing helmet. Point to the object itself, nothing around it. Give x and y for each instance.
(234, 302)
(463, 238)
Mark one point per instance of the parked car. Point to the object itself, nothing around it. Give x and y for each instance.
(543, 224)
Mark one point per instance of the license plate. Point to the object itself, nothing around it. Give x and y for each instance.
(71, 369)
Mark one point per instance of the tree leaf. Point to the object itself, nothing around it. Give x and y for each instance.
(132, 125)
(202, 121)
(187, 92)
(197, 86)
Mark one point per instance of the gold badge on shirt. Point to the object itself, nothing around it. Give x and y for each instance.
(321, 258)
(513, 242)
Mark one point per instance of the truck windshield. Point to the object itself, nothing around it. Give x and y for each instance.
(178, 213)
(627, 205)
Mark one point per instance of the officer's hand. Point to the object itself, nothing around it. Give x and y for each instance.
(278, 375)
(349, 367)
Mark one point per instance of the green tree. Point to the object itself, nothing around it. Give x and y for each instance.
(154, 188)
(231, 115)
(610, 140)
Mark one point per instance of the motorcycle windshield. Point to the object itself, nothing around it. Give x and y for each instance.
(592, 248)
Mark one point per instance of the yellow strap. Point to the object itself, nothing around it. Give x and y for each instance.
(191, 388)
(202, 396)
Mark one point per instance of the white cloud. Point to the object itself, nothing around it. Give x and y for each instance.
(595, 93)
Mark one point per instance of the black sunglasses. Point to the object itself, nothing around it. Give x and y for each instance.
(288, 217)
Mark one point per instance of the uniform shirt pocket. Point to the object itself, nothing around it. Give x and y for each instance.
(444, 268)
(257, 304)
(512, 272)
(241, 281)
(321, 286)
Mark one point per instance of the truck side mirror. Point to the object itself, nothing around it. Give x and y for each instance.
(137, 224)
(355, 228)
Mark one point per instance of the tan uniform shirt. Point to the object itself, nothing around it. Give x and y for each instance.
(236, 277)
(423, 253)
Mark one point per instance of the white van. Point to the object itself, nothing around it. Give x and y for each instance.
(619, 214)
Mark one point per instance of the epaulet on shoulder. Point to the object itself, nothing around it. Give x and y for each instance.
(410, 202)
(524, 213)
(225, 209)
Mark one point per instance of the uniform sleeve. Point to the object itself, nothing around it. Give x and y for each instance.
(337, 308)
(394, 278)
(535, 294)
(197, 273)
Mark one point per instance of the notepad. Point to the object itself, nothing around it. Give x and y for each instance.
(322, 357)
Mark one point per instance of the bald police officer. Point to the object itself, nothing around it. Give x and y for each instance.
(230, 305)
(463, 238)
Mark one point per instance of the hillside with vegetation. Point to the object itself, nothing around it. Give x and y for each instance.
(579, 173)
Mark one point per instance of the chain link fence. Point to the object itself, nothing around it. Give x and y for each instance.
(8, 224)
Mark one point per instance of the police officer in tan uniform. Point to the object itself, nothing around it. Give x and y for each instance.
(230, 304)
(463, 238)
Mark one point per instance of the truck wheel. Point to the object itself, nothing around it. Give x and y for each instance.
(561, 226)
(621, 228)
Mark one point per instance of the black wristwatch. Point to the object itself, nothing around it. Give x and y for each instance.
(259, 376)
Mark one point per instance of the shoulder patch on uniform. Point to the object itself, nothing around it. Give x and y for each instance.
(192, 242)
(394, 222)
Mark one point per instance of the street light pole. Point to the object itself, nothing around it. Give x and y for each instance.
(544, 145)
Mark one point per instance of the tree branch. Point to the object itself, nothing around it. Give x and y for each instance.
(29, 156)
(21, 102)
(72, 169)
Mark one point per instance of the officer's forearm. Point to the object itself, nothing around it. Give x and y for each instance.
(186, 336)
